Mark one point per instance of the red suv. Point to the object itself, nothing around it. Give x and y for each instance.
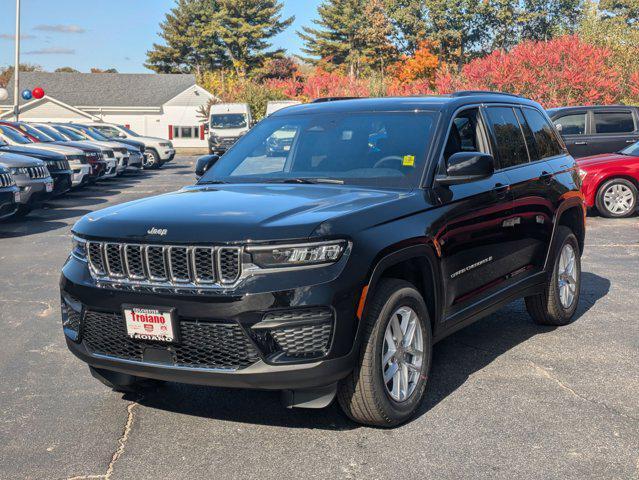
(611, 181)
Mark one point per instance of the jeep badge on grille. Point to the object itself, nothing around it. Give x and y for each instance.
(157, 231)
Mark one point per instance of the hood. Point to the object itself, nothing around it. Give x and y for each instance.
(247, 212)
(85, 147)
(33, 151)
(63, 149)
(604, 158)
(150, 139)
(15, 160)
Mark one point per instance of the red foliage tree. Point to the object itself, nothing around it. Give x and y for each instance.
(562, 71)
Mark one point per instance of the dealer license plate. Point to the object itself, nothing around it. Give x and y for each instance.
(49, 187)
(150, 323)
(16, 197)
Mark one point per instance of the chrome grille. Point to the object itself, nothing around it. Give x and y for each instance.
(229, 264)
(38, 172)
(6, 180)
(165, 264)
(58, 165)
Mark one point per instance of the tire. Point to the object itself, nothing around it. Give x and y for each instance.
(122, 382)
(550, 307)
(363, 395)
(612, 189)
(151, 159)
(23, 211)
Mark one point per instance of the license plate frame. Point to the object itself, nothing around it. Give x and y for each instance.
(48, 187)
(155, 323)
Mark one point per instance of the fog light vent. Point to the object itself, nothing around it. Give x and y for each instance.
(71, 318)
(301, 334)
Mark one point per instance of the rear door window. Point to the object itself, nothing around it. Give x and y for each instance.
(546, 143)
(614, 122)
(509, 139)
(573, 124)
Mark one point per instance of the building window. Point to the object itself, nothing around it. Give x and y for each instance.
(186, 132)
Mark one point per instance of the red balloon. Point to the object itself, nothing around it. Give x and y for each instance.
(38, 92)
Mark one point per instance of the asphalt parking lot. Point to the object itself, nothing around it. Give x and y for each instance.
(507, 399)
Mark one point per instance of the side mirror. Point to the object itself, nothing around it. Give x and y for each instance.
(466, 167)
(204, 163)
(559, 127)
(121, 135)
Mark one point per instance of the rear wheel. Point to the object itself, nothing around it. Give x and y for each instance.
(617, 198)
(151, 160)
(388, 383)
(558, 303)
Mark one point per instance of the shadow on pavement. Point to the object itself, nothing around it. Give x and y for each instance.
(455, 359)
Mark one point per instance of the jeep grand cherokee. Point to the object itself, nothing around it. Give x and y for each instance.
(330, 268)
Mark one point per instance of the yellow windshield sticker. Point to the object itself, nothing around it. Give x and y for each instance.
(409, 161)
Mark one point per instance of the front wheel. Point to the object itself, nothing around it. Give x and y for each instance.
(388, 383)
(151, 160)
(617, 198)
(558, 303)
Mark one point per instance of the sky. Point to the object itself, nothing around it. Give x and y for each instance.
(106, 33)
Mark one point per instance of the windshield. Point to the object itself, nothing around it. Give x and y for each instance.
(228, 120)
(93, 134)
(632, 150)
(370, 149)
(69, 133)
(35, 133)
(51, 132)
(128, 131)
(14, 135)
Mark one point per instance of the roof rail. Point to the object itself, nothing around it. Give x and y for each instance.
(333, 99)
(466, 93)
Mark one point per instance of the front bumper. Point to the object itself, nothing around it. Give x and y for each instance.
(80, 175)
(62, 181)
(166, 153)
(135, 163)
(8, 203)
(33, 191)
(122, 164)
(110, 170)
(243, 310)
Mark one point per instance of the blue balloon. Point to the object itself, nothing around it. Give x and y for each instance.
(26, 94)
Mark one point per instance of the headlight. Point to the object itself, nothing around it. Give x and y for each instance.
(165, 144)
(19, 171)
(582, 173)
(79, 248)
(300, 255)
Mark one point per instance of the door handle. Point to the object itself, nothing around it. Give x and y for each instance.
(581, 143)
(631, 141)
(546, 177)
(501, 190)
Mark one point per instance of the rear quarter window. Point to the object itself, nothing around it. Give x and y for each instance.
(545, 141)
(614, 122)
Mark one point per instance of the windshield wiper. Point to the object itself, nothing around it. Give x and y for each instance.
(309, 181)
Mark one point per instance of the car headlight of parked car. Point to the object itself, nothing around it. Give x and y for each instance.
(79, 248)
(297, 255)
(19, 171)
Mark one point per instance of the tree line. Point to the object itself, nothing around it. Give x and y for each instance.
(363, 37)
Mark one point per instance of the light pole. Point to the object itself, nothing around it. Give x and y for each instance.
(16, 71)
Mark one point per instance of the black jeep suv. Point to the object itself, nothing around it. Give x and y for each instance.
(330, 268)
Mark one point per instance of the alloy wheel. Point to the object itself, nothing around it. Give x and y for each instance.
(566, 276)
(618, 199)
(402, 354)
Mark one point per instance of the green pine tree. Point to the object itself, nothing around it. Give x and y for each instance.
(244, 28)
(188, 48)
(352, 35)
(627, 10)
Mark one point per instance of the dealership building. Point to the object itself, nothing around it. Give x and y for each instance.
(157, 105)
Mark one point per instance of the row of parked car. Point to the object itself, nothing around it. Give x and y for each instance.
(39, 161)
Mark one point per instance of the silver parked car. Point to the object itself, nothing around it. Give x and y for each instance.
(31, 176)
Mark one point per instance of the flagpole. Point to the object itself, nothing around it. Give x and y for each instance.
(16, 71)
